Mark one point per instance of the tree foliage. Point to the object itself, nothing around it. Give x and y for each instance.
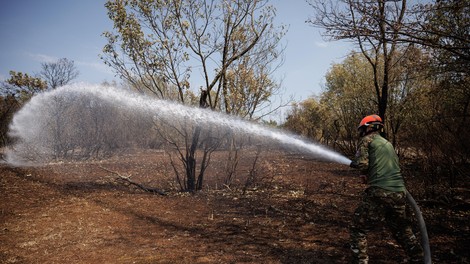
(25, 83)
(443, 28)
(347, 96)
(248, 86)
(306, 119)
(15, 91)
(159, 44)
(8, 106)
(374, 26)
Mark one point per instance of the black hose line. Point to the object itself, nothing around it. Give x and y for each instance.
(422, 228)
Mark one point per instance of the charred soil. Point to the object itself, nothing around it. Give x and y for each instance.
(290, 210)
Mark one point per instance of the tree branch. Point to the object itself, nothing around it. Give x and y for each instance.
(127, 179)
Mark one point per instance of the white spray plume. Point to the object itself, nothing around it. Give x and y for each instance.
(31, 126)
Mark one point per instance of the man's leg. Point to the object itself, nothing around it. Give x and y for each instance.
(400, 225)
(359, 227)
(358, 244)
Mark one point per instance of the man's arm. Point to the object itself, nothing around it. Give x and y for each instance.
(361, 161)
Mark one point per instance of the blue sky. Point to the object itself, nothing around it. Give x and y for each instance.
(36, 31)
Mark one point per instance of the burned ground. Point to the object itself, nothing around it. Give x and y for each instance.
(295, 210)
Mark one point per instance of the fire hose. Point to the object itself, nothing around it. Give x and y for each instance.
(422, 228)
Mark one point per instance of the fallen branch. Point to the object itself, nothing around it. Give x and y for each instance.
(129, 181)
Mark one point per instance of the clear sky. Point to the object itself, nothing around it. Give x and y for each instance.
(36, 31)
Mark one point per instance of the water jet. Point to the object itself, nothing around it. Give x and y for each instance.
(80, 116)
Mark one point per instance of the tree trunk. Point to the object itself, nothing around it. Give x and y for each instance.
(191, 153)
(191, 161)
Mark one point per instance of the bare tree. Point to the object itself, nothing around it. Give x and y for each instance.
(374, 26)
(58, 73)
(159, 44)
(442, 26)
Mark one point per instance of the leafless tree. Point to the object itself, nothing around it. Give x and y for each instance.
(158, 45)
(374, 26)
(58, 73)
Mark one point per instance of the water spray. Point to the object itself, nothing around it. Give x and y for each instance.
(31, 126)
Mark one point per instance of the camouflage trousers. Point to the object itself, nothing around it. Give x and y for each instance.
(379, 205)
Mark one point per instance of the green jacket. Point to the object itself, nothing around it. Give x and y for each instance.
(377, 159)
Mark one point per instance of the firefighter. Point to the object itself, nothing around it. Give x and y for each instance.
(384, 199)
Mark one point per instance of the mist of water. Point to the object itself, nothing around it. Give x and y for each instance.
(95, 111)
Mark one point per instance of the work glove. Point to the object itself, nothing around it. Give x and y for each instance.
(354, 164)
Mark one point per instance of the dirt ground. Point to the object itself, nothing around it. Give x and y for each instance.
(293, 210)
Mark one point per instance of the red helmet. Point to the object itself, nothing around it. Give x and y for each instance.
(370, 120)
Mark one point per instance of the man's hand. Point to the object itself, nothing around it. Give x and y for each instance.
(354, 164)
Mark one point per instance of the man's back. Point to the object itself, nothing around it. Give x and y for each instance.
(384, 167)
